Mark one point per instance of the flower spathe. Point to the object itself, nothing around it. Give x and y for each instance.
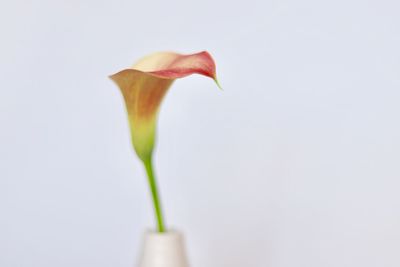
(144, 86)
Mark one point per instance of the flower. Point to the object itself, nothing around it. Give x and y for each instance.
(144, 86)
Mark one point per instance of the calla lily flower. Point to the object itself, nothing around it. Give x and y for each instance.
(143, 87)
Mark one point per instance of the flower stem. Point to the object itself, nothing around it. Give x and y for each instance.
(154, 193)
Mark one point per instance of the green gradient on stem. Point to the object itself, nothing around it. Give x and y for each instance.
(148, 164)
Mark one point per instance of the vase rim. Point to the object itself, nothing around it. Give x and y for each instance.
(169, 232)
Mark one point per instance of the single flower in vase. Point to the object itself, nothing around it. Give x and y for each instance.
(143, 87)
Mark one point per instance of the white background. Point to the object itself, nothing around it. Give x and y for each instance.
(295, 163)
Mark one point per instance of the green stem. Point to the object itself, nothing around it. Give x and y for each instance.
(154, 193)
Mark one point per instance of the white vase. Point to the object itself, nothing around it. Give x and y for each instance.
(163, 250)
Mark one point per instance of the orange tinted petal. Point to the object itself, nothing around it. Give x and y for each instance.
(145, 84)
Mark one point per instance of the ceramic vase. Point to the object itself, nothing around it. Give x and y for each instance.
(163, 250)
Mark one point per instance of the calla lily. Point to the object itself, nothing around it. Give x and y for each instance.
(143, 87)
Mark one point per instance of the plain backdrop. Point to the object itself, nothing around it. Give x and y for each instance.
(295, 163)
